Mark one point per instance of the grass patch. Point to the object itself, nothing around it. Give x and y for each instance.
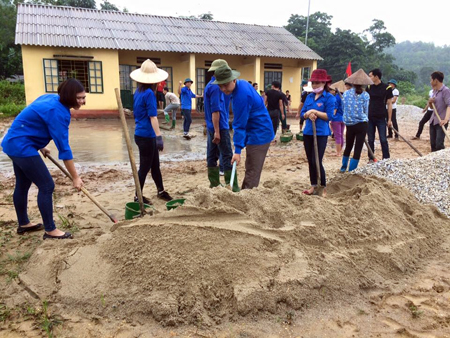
(12, 100)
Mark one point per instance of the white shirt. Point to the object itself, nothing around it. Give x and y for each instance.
(395, 92)
(171, 98)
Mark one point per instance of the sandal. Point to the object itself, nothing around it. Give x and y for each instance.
(307, 192)
(65, 236)
(21, 230)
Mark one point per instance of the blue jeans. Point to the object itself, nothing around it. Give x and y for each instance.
(222, 150)
(437, 137)
(33, 170)
(381, 125)
(187, 119)
(308, 143)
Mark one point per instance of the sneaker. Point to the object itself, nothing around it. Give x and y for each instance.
(221, 173)
(164, 196)
(389, 136)
(187, 136)
(415, 138)
(144, 199)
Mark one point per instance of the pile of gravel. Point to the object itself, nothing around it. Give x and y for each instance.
(409, 113)
(427, 177)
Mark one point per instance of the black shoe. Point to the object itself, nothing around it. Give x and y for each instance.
(389, 136)
(164, 196)
(37, 227)
(65, 236)
(144, 199)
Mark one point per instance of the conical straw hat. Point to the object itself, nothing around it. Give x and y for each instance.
(340, 85)
(359, 78)
(149, 73)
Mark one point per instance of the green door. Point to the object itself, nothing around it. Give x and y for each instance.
(127, 98)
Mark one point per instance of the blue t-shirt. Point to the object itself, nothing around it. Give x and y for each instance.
(252, 124)
(186, 98)
(143, 108)
(326, 104)
(43, 120)
(216, 101)
(338, 116)
(356, 107)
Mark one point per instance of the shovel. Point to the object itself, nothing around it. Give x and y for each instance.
(316, 156)
(439, 119)
(233, 173)
(409, 143)
(83, 189)
(130, 152)
(372, 155)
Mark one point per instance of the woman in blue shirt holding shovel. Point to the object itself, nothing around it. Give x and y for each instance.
(46, 119)
(319, 107)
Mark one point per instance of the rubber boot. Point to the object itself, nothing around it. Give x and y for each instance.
(344, 163)
(353, 164)
(214, 177)
(167, 119)
(227, 176)
(174, 122)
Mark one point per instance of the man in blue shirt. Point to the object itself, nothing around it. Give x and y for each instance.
(251, 124)
(217, 111)
(186, 105)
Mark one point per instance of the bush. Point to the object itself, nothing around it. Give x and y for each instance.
(11, 109)
(12, 98)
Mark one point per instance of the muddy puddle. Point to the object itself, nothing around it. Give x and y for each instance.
(102, 141)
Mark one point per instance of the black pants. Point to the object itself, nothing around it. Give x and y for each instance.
(437, 137)
(308, 143)
(426, 117)
(148, 160)
(394, 123)
(275, 117)
(354, 133)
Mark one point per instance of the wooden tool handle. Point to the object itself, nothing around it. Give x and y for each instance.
(83, 189)
(409, 143)
(439, 119)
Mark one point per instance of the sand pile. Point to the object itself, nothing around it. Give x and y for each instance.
(266, 251)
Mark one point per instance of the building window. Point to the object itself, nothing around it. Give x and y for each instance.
(269, 77)
(89, 73)
(51, 76)
(126, 83)
(201, 84)
(169, 81)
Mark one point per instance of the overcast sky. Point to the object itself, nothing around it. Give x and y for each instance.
(406, 20)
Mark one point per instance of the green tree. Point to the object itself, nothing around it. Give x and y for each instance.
(108, 6)
(77, 3)
(10, 53)
(206, 16)
(380, 38)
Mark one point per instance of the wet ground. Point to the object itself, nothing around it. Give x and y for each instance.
(102, 141)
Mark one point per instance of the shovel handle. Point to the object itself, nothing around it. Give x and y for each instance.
(233, 173)
(439, 119)
(316, 152)
(409, 143)
(83, 189)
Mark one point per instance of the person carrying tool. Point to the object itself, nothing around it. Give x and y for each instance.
(393, 84)
(319, 107)
(356, 117)
(172, 105)
(251, 124)
(441, 100)
(147, 134)
(427, 111)
(45, 119)
(217, 111)
(186, 95)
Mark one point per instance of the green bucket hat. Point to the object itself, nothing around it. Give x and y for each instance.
(217, 64)
(225, 74)
(188, 80)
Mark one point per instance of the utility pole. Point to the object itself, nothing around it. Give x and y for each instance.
(307, 24)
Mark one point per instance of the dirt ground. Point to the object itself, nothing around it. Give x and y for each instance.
(367, 261)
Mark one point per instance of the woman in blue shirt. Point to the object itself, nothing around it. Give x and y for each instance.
(46, 119)
(356, 110)
(319, 107)
(147, 134)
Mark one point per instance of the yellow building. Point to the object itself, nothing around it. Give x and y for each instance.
(101, 48)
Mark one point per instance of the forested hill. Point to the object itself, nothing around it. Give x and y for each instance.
(422, 58)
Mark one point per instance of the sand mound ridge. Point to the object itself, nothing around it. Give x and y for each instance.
(260, 252)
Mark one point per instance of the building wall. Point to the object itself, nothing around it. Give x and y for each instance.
(34, 74)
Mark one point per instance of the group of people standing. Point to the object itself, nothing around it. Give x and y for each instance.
(365, 108)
